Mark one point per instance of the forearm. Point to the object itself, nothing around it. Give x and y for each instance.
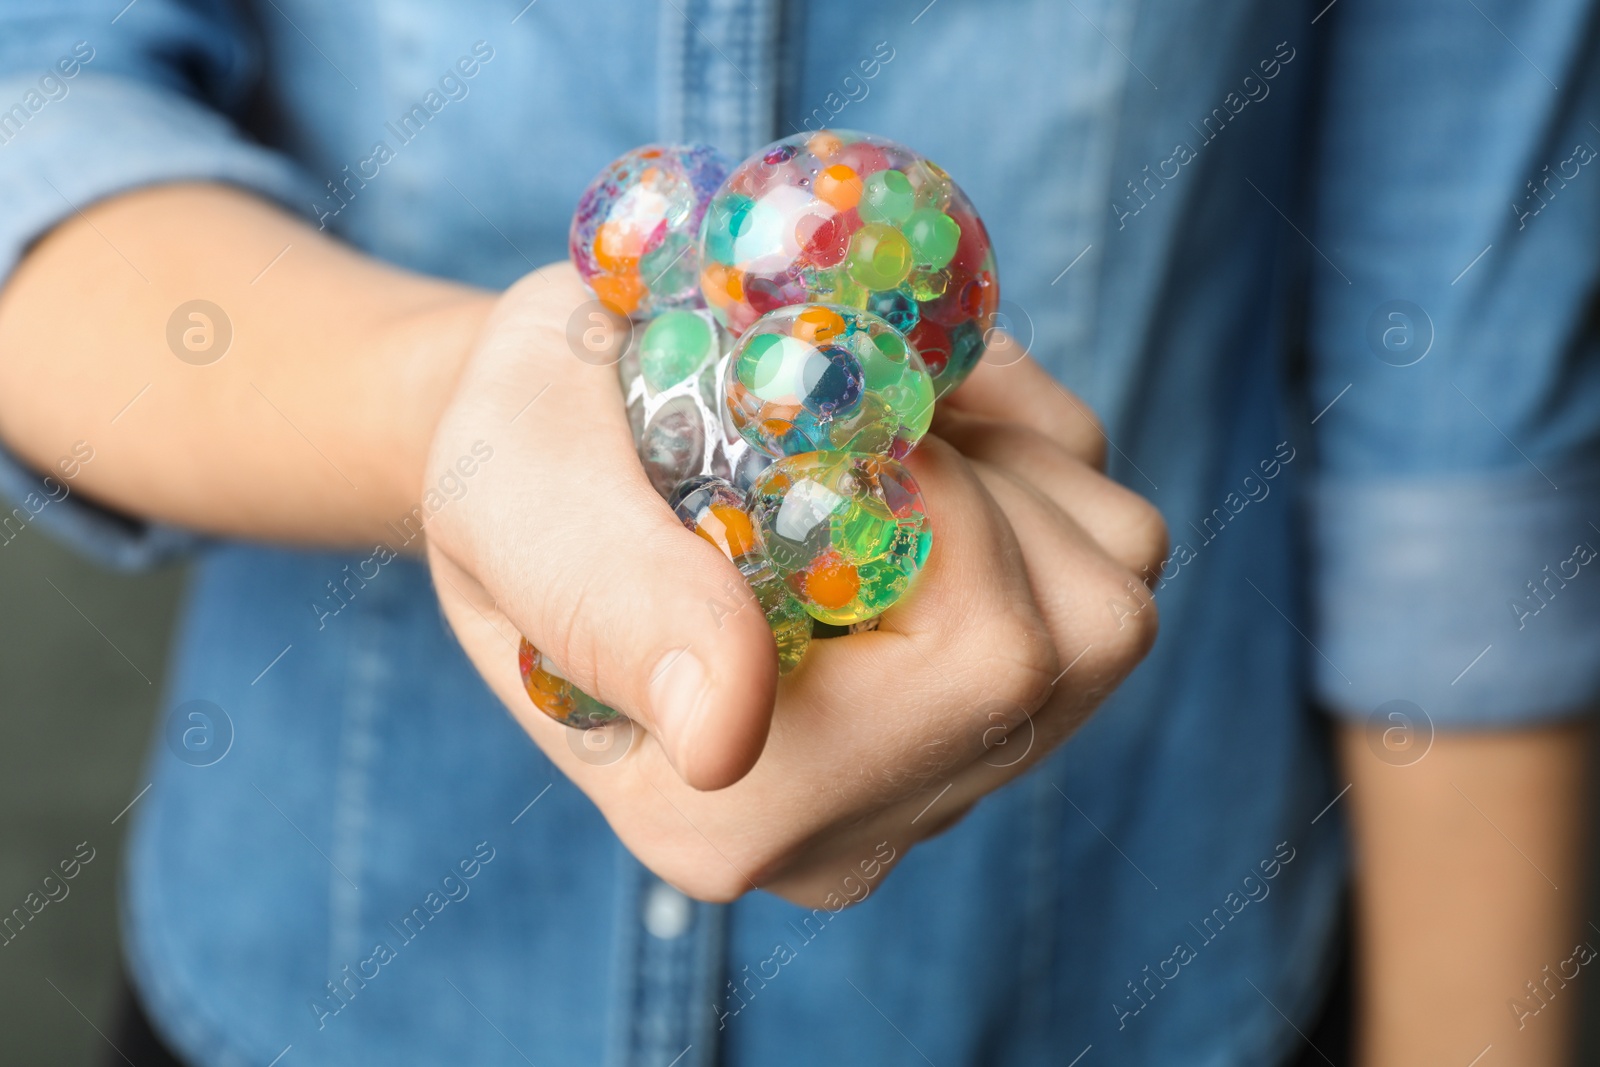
(1469, 885)
(313, 427)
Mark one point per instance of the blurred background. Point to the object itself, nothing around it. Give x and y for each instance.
(76, 718)
(82, 659)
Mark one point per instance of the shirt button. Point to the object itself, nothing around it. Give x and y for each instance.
(666, 912)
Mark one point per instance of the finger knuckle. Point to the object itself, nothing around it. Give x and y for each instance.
(1148, 539)
(1090, 438)
(1026, 661)
(1143, 631)
(1130, 628)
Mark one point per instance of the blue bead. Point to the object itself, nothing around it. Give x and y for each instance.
(896, 307)
(833, 382)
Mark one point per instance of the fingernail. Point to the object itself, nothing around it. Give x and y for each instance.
(677, 698)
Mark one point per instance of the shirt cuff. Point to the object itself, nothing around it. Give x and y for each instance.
(29, 499)
(109, 135)
(1475, 598)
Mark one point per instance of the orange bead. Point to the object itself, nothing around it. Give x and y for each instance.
(824, 144)
(549, 694)
(549, 691)
(721, 284)
(839, 186)
(818, 324)
(619, 292)
(712, 283)
(729, 529)
(618, 246)
(833, 584)
(775, 429)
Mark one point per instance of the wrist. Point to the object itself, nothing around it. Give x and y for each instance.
(416, 360)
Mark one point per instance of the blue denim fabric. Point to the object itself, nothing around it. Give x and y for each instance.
(1200, 213)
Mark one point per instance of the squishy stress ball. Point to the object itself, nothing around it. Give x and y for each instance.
(845, 218)
(796, 319)
(633, 234)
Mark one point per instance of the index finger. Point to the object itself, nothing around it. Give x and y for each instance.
(1009, 385)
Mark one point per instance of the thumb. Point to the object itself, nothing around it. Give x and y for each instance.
(593, 567)
(653, 621)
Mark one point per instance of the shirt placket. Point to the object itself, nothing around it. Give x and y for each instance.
(718, 72)
(718, 84)
(670, 965)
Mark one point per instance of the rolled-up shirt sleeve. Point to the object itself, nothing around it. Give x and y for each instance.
(1455, 361)
(98, 99)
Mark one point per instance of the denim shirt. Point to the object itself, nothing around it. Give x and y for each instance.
(1329, 295)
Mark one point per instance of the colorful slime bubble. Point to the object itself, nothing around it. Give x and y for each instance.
(846, 532)
(557, 697)
(634, 233)
(716, 511)
(846, 218)
(670, 375)
(817, 377)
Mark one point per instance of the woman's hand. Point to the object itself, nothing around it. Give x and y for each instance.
(737, 781)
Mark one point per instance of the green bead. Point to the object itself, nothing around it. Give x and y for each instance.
(835, 286)
(882, 583)
(926, 283)
(892, 345)
(872, 431)
(912, 397)
(879, 257)
(863, 530)
(750, 357)
(674, 346)
(738, 209)
(775, 376)
(883, 365)
(849, 292)
(724, 220)
(886, 197)
(933, 236)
